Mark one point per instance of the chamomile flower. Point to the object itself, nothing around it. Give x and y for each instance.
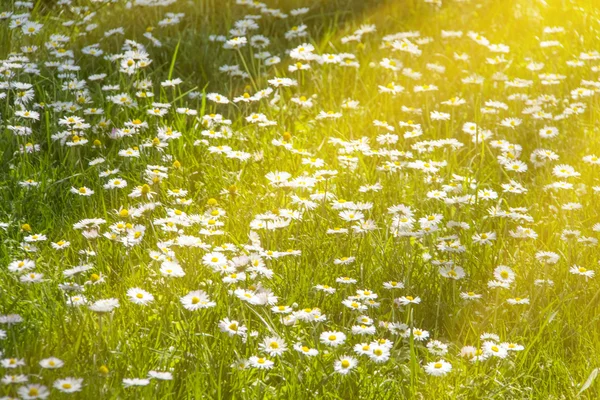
(68, 385)
(139, 296)
(196, 300)
(51, 363)
(260, 362)
(344, 365)
(332, 338)
(438, 368)
(274, 346)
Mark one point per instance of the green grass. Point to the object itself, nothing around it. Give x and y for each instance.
(558, 328)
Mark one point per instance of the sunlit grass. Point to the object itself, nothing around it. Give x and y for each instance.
(443, 185)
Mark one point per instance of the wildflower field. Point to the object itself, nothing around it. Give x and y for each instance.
(294, 199)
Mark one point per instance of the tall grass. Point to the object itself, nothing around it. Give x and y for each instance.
(558, 327)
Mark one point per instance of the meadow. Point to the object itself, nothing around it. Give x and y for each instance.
(329, 199)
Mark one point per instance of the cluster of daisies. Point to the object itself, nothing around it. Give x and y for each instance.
(447, 174)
